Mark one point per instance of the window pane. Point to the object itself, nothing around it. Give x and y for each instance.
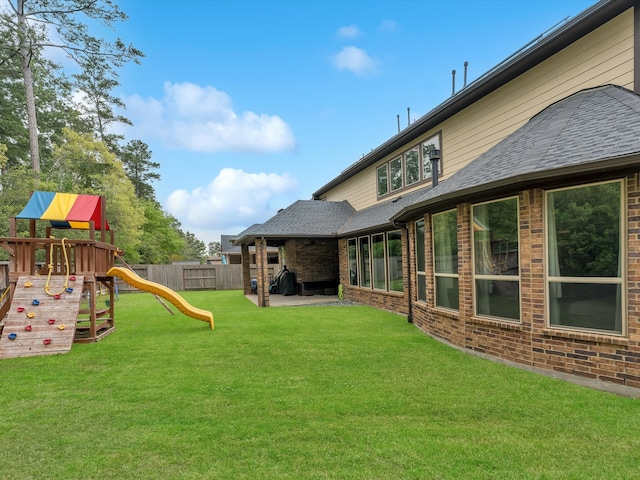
(394, 254)
(379, 270)
(420, 261)
(395, 166)
(447, 293)
(412, 165)
(594, 306)
(583, 228)
(498, 298)
(495, 238)
(422, 287)
(431, 144)
(383, 181)
(420, 253)
(353, 262)
(445, 242)
(365, 272)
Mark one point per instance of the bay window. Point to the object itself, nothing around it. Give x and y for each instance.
(445, 259)
(378, 262)
(352, 250)
(420, 262)
(365, 263)
(394, 256)
(585, 257)
(496, 259)
(375, 261)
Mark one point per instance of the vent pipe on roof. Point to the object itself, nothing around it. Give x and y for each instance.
(466, 64)
(453, 82)
(408, 116)
(434, 156)
(398, 117)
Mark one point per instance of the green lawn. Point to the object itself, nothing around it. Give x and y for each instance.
(297, 393)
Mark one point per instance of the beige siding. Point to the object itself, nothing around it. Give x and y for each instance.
(605, 56)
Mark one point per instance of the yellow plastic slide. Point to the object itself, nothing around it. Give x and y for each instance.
(181, 304)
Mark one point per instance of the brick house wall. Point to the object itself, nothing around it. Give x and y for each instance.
(593, 356)
(312, 260)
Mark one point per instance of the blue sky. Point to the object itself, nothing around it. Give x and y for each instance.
(249, 106)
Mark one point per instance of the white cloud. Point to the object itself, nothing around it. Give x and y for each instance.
(355, 60)
(388, 26)
(233, 201)
(350, 31)
(202, 119)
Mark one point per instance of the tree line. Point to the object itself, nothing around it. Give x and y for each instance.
(57, 130)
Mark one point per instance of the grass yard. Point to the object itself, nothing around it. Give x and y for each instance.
(297, 393)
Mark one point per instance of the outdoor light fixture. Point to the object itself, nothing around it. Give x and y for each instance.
(434, 156)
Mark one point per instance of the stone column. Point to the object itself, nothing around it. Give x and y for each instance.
(262, 272)
(246, 270)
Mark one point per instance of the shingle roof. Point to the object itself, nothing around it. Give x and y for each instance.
(304, 218)
(379, 215)
(226, 245)
(593, 129)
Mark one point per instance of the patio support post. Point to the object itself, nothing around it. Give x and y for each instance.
(246, 269)
(262, 272)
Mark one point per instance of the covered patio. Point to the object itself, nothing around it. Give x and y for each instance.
(297, 300)
(307, 234)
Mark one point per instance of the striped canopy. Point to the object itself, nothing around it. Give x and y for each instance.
(65, 210)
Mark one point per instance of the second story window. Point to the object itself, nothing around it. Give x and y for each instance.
(412, 166)
(407, 169)
(383, 180)
(395, 173)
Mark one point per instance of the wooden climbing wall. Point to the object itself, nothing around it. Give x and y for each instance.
(40, 324)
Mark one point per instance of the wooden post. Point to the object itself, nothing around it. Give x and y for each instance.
(103, 220)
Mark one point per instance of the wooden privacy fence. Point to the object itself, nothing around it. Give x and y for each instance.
(178, 277)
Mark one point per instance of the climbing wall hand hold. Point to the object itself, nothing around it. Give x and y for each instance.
(12, 336)
(46, 341)
(69, 290)
(28, 284)
(72, 278)
(57, 296)
(51, 321)
(20, 309)
(31, 315)
(35, 302)
(28, 328)
(62, 326)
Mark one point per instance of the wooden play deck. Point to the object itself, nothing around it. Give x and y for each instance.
(40, 324)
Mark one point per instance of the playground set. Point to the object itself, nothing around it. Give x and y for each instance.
(42, 310)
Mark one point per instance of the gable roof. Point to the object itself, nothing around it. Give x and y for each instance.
(302, 219)
(524, 59)
(592, 131)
